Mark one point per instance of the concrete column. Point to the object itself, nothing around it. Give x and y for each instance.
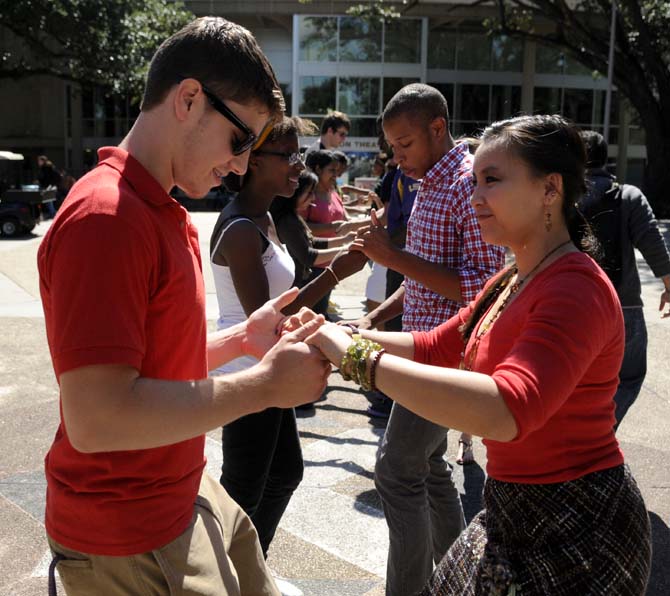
(528, 80)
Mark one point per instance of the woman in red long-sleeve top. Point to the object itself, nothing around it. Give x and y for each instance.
(531, 366)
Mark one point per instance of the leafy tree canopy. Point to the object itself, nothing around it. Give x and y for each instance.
(105, 42)
(641, 60)
(582, 28)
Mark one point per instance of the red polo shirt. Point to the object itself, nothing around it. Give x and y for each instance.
(121, 283)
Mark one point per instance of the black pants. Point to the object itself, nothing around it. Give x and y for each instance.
(262, 467)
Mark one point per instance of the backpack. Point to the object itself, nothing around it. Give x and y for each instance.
(602, 210)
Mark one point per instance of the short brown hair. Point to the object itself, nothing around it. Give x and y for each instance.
(335, 120)
(223, 56)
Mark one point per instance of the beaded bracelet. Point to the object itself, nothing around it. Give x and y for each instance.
(354, 361)
(373, 368)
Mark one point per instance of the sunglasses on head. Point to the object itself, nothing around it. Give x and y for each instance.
(293, 158)
(250, 139)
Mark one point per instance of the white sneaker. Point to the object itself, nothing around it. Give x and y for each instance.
(287, 588)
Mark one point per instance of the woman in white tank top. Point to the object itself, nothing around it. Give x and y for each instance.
(262, 460)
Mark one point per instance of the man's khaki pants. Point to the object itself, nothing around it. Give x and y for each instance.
(218, 554)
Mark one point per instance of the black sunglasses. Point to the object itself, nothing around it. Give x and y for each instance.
(250, 139)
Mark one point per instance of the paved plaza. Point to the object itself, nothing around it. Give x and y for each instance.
(333, 539)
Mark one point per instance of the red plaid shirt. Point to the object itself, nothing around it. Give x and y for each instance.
(443, 229)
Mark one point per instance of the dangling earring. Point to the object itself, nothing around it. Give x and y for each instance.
(547, 221)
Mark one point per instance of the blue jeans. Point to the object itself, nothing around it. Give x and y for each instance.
(262, 466)
(421, 503)
(634, 365)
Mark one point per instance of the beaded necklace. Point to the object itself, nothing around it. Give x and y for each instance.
(513, 289)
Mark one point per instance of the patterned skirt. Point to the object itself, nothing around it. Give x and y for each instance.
(589, 536)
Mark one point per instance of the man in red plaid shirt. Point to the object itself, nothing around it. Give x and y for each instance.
(445, 263)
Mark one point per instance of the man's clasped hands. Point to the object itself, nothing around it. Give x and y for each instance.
(295, 352)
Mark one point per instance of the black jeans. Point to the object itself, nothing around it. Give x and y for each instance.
(262, 467)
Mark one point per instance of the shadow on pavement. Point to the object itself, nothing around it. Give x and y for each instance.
(305, 434)
(334, 408)
(368, 502)
(347, 465)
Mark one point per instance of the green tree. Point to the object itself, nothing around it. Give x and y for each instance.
(581, 29)
(103, 42)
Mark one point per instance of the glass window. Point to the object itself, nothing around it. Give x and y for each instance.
(446, 89)
(474, 102)
(547, 100)
(575, 67)
(599, 115)
(363, 127)
(394, 84)
(473, 52)
(578, 105)
(473, 109)
(506, 54)
(442, 49)
(318, 39)
(505, 101)
(318, 94)
(402, 41)
(638, 135)
(359, 96)
(549, 60)
(288, 96)
(360, 40)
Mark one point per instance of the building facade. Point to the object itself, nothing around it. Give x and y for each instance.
(326, 59)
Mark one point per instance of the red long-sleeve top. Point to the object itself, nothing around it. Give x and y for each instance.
(554, 353)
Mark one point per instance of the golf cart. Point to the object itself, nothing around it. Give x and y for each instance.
(20, 205)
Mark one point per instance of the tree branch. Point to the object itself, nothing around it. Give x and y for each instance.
(650, 54)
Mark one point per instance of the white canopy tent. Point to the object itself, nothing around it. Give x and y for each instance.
(8, 155)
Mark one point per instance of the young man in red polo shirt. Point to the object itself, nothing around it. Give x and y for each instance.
(128, 508)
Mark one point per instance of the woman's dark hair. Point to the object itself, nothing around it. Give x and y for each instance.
(319, 159)
(280, 206)
(341, 157)
(546, 144)
(288, 125)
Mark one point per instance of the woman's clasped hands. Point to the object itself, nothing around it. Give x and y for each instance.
(330, 339)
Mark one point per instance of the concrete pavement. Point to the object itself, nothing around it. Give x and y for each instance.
(332, 540)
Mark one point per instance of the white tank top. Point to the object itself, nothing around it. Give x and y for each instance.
(280, 271)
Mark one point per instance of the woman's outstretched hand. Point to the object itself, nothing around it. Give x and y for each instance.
(331, 340)
(298, 320)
